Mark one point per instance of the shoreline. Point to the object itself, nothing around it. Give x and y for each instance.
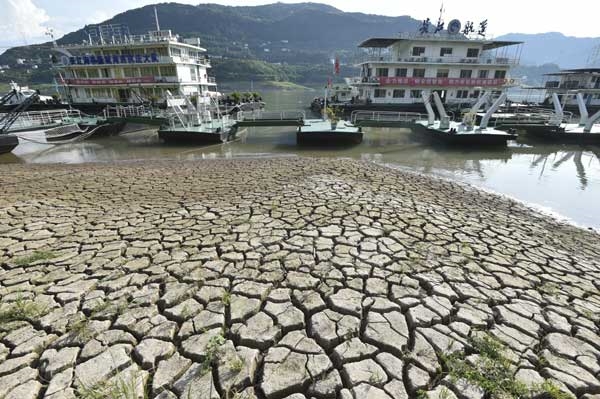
(534, 207)
(271, 277)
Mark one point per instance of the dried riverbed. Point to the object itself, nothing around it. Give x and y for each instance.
(287, 277)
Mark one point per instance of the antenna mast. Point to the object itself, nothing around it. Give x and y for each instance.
(156, 19)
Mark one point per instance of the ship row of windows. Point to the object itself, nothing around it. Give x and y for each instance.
(401, 93)
(440, 73)
(418, 51)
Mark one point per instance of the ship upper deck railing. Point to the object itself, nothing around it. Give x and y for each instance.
(120, 40)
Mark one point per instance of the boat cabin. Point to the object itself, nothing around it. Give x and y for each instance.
(127, 68)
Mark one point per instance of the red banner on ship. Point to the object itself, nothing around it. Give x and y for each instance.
(442, 82)
(106, 82)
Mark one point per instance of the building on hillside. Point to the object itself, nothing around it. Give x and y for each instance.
(125, 68)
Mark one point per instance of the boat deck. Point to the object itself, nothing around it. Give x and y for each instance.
(459, 134)
(319, 131)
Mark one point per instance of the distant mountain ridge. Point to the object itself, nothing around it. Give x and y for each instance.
(304, 24)
(555, 48)
(292, 40)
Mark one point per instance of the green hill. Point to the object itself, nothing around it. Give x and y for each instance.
(276, 42)
(283, 42)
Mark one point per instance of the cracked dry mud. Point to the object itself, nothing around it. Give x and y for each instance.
(281, 278)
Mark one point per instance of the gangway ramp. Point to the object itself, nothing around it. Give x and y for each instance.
(271, 118)
(385, 118)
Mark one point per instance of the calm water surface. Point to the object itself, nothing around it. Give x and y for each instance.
(559, 179)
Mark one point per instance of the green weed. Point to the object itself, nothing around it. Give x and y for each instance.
(118, 388)
(22, 309)
(34, 257)
(494, 373)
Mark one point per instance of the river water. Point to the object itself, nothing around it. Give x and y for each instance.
(562, 180)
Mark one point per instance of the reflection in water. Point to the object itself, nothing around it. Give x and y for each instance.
(560, 178)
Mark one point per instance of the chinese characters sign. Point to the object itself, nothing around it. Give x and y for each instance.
(114, 59)
(453, 27)
(442, 82)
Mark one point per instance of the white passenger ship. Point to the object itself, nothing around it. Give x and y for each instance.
(113, 66)
(458, 63)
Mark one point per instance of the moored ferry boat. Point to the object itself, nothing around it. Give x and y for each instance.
(114, 67)
(458, 63)
(196, 124)
(567, 82)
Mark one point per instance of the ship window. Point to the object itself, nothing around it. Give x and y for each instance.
(193, 74)
(401, 72)
(500, 75)
(475, 94)
(472, 52)
(93, 73)
(398, 93)
(130, 72)
(483, 74)
(418, 73)
(105, 73)
(415, 94)
(442, 73)
(379, 93)
(417, 51)
(175, 51)
(465, 73)
(381, 72)
(462, 94)
(168, 71)
(445, 51)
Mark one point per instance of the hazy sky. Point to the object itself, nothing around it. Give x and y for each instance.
(26, 21)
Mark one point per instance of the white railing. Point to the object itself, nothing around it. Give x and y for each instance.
(258, 115)
(528, 115)
(366, 80)
(183, 59)
(386, 116)
(120, 111)
(33, 119)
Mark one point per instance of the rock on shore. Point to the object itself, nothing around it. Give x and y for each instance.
(282, 278)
